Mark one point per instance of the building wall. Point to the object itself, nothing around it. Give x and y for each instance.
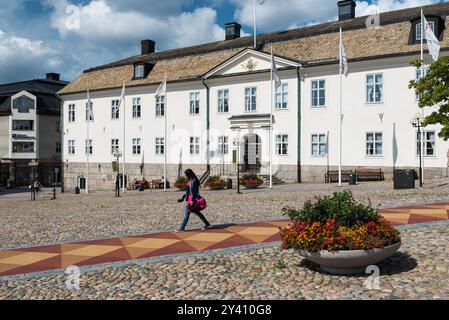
(4, 136)
(49, 136)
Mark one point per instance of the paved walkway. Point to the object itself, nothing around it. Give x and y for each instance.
(95, 252)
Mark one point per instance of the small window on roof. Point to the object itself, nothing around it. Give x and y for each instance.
(139, 71)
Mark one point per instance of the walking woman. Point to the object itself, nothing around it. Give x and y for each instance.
(191, 196)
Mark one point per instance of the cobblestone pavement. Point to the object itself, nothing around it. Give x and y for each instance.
(100, 215)
(418, 271)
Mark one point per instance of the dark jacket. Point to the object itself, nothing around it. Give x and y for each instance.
(193, 188)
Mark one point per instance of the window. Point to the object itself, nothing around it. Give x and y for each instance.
(250, 99)
(223, 101)
(23, 125)
(374, 144)
(281, 144)
(319, 145)
(194, 145)
(23, 104)
(418, 29)
(136, 146)
(58, 148)
(23, 147)
(223, 147)
(374, 88)
(139, 71)
(115, 109)
(160, 106)
(160, 147)
(282, 96)
(136, 108)
(58, 126)
(318, 93)
(420, 73)
(194, 103)
(429, 143)
(88, 146)
(114, 145)
(89, 112)
(71, 147)
(71, 113)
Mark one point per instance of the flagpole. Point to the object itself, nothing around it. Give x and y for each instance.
(422, 109)
(124, 142)
(88, 142)
(165, 133)
(341, 115)
(255, 25)
(271, 120)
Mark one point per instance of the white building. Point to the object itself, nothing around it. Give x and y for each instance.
(220, 91)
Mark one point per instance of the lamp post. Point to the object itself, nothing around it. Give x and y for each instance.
(417, 122)
(33, 164)
(237, 143)
(117, 154)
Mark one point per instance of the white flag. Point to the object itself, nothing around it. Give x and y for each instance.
(344, 66)
(122, 98)
(274, 71)
(89, 109)
(162, 90)
(432, 41)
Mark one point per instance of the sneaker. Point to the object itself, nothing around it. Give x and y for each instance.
(207, 227)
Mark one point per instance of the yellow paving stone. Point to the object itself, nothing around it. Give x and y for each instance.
(397, 217)
(92, 250)
(258, 238)
(138, 252)
(259, 231)
(153, 243)
(200, 245)
(27, 258)
(9, 253)
(7, 267)
(209, 237)
(429, 212)
(70, 260)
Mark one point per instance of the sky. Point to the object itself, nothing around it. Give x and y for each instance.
(69, 36)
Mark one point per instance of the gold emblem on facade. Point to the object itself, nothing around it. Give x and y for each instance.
(249, 65)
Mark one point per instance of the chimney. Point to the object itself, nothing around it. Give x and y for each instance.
(52, 76)
(346, 10)
(147, 46)
(232, 31)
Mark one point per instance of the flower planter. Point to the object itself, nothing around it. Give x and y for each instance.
(348, 261)
(217, 186)
(181, 186)
(251, 184)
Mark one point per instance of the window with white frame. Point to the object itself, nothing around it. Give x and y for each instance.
(429, 143)
(374, 88)
(281, 144)
(318, 93)
(419, 30)
(88, 146)
(115, 111)
(136, 146)
(160, 148)
(136, 108)
(71, 113)
(282, 96)
(420, 73)
(223, 147)
(251, 99)
(319, 145)
(114, 145)
(89, 112)
(194, 102)
(223, 101)
(160, 106)
(374, 144)
(139, 71)
(194, 145)
(71, 147)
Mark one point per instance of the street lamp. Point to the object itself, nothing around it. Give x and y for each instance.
(117, 155)
(417, 122)
(237, 143)
(33, 164)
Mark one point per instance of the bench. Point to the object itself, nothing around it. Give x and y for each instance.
(332, 176)
(369, 175)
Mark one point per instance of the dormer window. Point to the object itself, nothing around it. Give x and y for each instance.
(142, 69)
(419, 29)
(435, 22)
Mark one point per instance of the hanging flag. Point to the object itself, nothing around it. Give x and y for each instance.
(344, 67)
(432, 41)
(122, 98)
(274, 71)
(162, 90)
(89, 109)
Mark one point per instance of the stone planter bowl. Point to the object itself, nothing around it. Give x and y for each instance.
(217, 186)
(349, 261)
(251, 184)
(181, 186)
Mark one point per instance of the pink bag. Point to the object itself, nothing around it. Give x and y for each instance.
(200, 203)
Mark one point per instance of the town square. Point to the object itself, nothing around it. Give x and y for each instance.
(224, 150)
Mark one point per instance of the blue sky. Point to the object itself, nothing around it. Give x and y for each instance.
(68, 36)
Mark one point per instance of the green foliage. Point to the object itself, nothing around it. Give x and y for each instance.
(341, 206)
(214, 179)
(181, 180)
(433, 90)
(251, 176)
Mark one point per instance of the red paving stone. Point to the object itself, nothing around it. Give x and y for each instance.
(94, 252)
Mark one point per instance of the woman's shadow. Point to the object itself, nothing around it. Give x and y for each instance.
(398, 263)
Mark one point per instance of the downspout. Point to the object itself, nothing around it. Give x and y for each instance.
(62, 127)
(299, 127)
(206, 174)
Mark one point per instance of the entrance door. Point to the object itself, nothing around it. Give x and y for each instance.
(252, 156)
(82, 183)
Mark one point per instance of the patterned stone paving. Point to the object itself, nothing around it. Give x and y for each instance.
(94, 252)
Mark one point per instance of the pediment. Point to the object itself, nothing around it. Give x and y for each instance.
(249, 61)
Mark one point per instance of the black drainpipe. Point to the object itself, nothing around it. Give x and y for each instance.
(207, 129)
(299, 128)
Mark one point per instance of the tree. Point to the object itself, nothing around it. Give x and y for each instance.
(433, 90)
